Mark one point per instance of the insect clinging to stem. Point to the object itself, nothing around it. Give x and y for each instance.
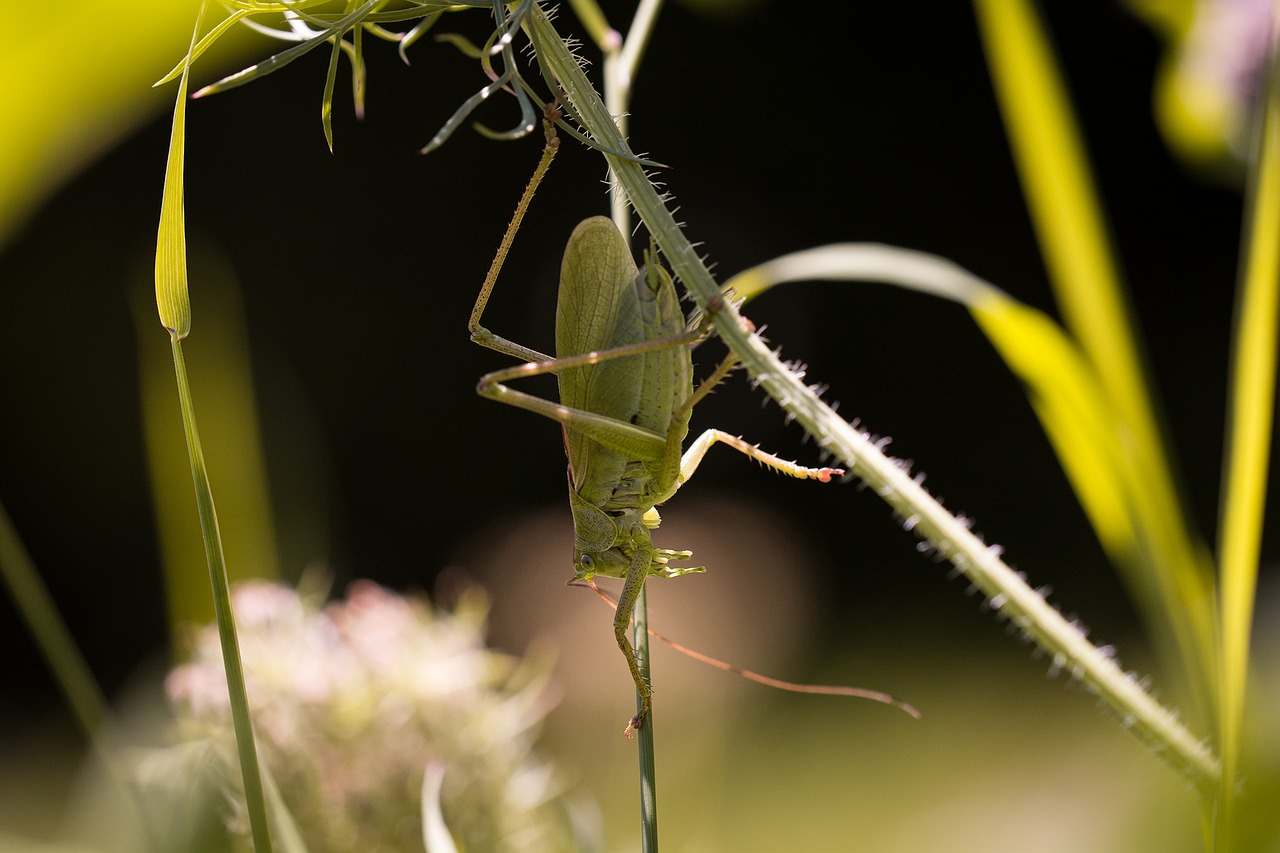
(625, 376)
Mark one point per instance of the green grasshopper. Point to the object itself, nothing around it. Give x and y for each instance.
(625, 372)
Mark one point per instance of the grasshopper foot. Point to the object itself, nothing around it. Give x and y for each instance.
(636, 723)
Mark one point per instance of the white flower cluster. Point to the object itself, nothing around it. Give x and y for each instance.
(352, 701)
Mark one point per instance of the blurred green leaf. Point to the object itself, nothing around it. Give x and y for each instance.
(72, 91)
(1170, 574)
(1250, 423)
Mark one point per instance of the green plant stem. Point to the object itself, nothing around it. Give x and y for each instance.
(645, 747)
(216, 562)
(621, 62)
(858, 451)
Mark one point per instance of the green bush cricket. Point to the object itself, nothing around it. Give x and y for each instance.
(625, 376)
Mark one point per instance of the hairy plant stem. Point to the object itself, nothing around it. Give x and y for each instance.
(950, 537)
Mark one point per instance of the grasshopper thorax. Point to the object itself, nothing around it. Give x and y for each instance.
(631, 543)
(605, 542)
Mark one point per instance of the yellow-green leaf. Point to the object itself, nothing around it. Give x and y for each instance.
(172, 300)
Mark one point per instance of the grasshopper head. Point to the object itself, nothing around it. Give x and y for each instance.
(610, 563)
(614, 563)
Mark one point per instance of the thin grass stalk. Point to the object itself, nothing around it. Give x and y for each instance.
(50, 631)
(70, 670)
(645, 747)
(246, 748)
(173, 304)
(619, 72)
(951, 538)
(1249, 429)
(621, 64)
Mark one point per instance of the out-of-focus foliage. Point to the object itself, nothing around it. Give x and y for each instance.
(1023, 763)
(77, 79)
(1210, 75)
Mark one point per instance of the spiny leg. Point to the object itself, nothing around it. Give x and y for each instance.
(636, 575)
(480, 334)
(706, 386)
(693, 457)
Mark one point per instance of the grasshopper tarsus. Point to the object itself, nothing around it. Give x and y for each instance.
(634, 725)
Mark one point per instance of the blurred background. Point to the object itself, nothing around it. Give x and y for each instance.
(341, 283)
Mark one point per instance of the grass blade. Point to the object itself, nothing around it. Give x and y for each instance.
(201, 46)
(1172, 579)
(174, 306)
(1249, 428)
(50, 632)
(284, 57)
(1061, 383)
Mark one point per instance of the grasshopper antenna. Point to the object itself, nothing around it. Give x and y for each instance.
(768, 681)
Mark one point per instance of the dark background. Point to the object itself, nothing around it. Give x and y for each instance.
(358, 269)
